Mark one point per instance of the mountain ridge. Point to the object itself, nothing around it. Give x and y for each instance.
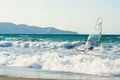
(11, 28)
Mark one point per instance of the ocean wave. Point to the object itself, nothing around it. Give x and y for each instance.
(51, 61)
(42, 44)
(5, 44)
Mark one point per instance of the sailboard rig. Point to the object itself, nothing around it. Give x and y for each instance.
(94, 37)
(96, 33)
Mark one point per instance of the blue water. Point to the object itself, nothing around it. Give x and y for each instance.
(37, 37)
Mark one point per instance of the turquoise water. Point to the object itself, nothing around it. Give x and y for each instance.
(36, 37)
(52, 41)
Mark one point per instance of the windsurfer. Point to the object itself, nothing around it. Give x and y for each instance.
(89, 45)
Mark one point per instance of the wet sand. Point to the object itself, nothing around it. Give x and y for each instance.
(16, 73)
(16, 78)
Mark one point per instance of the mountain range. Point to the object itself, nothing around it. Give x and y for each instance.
(11, 28)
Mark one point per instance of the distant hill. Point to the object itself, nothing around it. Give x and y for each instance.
(11, 28)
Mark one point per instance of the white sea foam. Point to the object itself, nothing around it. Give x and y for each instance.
(42, 44)
(68, 60)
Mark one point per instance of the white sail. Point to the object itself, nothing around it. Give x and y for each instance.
(94, 38)
(95, 35)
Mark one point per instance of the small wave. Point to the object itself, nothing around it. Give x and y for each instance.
(5, 44)
(42, 44)
(118, 37)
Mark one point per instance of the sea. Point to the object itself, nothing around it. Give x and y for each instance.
(57, 54)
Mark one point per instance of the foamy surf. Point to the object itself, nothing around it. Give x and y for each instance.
(60, 55)
(36, 44)
(62, 60)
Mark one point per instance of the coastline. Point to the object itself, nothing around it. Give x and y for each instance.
(17, 73)
(2, 77)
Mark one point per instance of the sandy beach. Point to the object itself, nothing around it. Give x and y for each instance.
(16, 78)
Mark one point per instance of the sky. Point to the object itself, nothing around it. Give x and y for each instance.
(73, 15)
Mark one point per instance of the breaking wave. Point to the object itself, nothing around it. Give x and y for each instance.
(53, 61)
(43, 44)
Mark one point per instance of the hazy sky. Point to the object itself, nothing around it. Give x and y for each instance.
(74, 15)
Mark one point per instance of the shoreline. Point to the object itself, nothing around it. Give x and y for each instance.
(3, 77)
(16, 73)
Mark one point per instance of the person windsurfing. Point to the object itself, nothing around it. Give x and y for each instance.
(94, 38)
